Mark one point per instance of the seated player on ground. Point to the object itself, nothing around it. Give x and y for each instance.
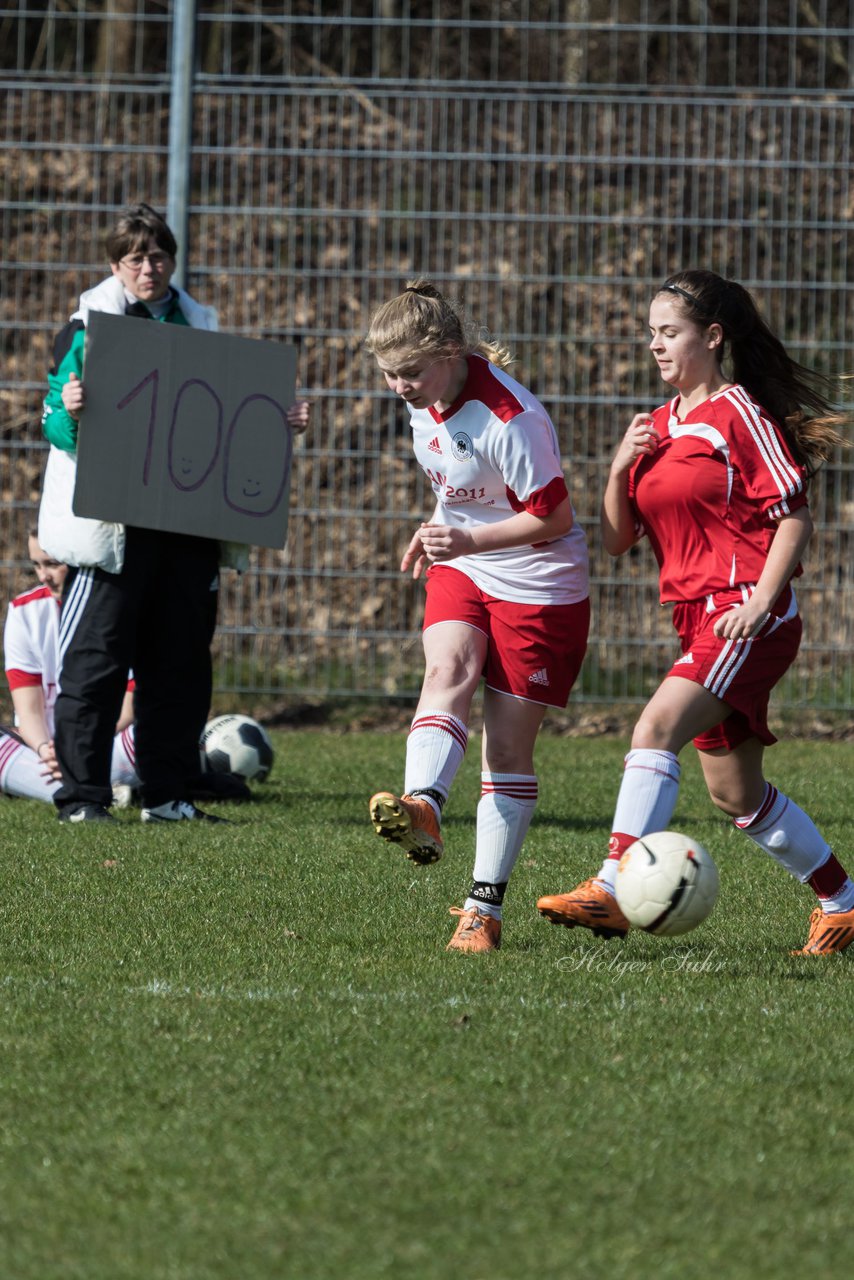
(28, 764)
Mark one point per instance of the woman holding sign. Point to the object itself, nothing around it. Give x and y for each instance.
(134, 597)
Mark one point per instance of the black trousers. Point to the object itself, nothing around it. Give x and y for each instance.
(158, 617)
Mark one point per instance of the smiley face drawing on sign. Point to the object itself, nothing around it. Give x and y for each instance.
(195, 435)
(257, 456)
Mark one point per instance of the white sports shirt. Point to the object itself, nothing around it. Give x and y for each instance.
(31, 644)
(493, 453)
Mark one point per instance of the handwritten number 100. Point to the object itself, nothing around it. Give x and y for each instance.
(152, 380)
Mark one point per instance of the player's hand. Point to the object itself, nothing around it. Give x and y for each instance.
(73, 397)
(298, 416)
(640, 440)
(742, 622)
(414, 557)
(49, 762)
(445, 542)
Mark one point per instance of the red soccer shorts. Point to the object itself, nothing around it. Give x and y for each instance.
(534, 652)
(740, 672)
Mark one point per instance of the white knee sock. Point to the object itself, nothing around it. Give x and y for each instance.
(504, 814)
(645, 803)
(123, 767)
(434, 751)
(791, 837)
(21, 771)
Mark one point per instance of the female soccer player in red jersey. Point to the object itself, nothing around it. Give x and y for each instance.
(717, 479)
(507, 593)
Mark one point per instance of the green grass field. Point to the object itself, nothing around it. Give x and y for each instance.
(243, 1053)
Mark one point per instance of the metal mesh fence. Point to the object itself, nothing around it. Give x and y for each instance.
(545, 162)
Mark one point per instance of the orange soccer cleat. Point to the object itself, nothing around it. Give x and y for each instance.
(409, 822)
(476, 931)
(830, 931)
(590, 906)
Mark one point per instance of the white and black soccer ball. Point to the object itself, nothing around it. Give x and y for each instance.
(237, 744)
(666, 883)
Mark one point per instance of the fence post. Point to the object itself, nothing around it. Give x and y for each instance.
(180, 126)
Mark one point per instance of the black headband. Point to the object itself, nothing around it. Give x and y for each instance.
(689, 297)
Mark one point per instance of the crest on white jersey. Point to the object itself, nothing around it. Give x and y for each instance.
(463, 447)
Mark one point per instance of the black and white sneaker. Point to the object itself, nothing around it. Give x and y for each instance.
(178, 811)
(85, 813)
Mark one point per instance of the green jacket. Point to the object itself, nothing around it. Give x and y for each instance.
(68, 352)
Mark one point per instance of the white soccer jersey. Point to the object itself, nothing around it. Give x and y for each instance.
(31, 645)
(493, 453)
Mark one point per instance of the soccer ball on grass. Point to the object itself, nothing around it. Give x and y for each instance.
(666, 883)
(237, 744)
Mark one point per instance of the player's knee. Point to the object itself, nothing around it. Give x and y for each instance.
(449, 674)
(734, 800)
(652, 733)
(723, 800)
(507, 757)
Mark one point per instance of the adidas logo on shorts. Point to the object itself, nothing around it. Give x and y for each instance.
(540, 677)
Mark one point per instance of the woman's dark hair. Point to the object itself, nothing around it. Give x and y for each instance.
(137, 225)
(799, 399)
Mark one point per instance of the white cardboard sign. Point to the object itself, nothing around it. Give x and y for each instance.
(185, 430)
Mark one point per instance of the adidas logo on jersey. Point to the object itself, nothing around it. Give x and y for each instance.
(434, 445)
(540, 677)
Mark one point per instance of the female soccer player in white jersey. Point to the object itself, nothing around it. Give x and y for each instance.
(717, 480)
(28, 764)
(507, 592)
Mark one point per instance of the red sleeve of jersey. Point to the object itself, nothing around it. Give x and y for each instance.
(544, 501)
(792, 504)
(23, 679)
(762, 455)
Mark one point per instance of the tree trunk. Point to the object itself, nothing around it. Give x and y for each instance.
(116, 39)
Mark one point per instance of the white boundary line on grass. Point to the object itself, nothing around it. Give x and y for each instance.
(158, 987)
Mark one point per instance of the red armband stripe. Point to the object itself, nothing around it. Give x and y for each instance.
(23, 679)
(543, 501)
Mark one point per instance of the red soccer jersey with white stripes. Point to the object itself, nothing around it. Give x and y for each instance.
(710, 496)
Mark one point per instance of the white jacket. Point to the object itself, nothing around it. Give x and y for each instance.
(79, 540)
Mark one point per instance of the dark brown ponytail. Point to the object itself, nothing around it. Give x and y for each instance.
(799, 399)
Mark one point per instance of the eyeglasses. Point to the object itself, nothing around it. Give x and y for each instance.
(136, 261)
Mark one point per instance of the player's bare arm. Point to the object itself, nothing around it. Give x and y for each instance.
(414, 557)
(790, 540)
(617, 519)
(28, 701)
(446, 542)
(126, 715)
